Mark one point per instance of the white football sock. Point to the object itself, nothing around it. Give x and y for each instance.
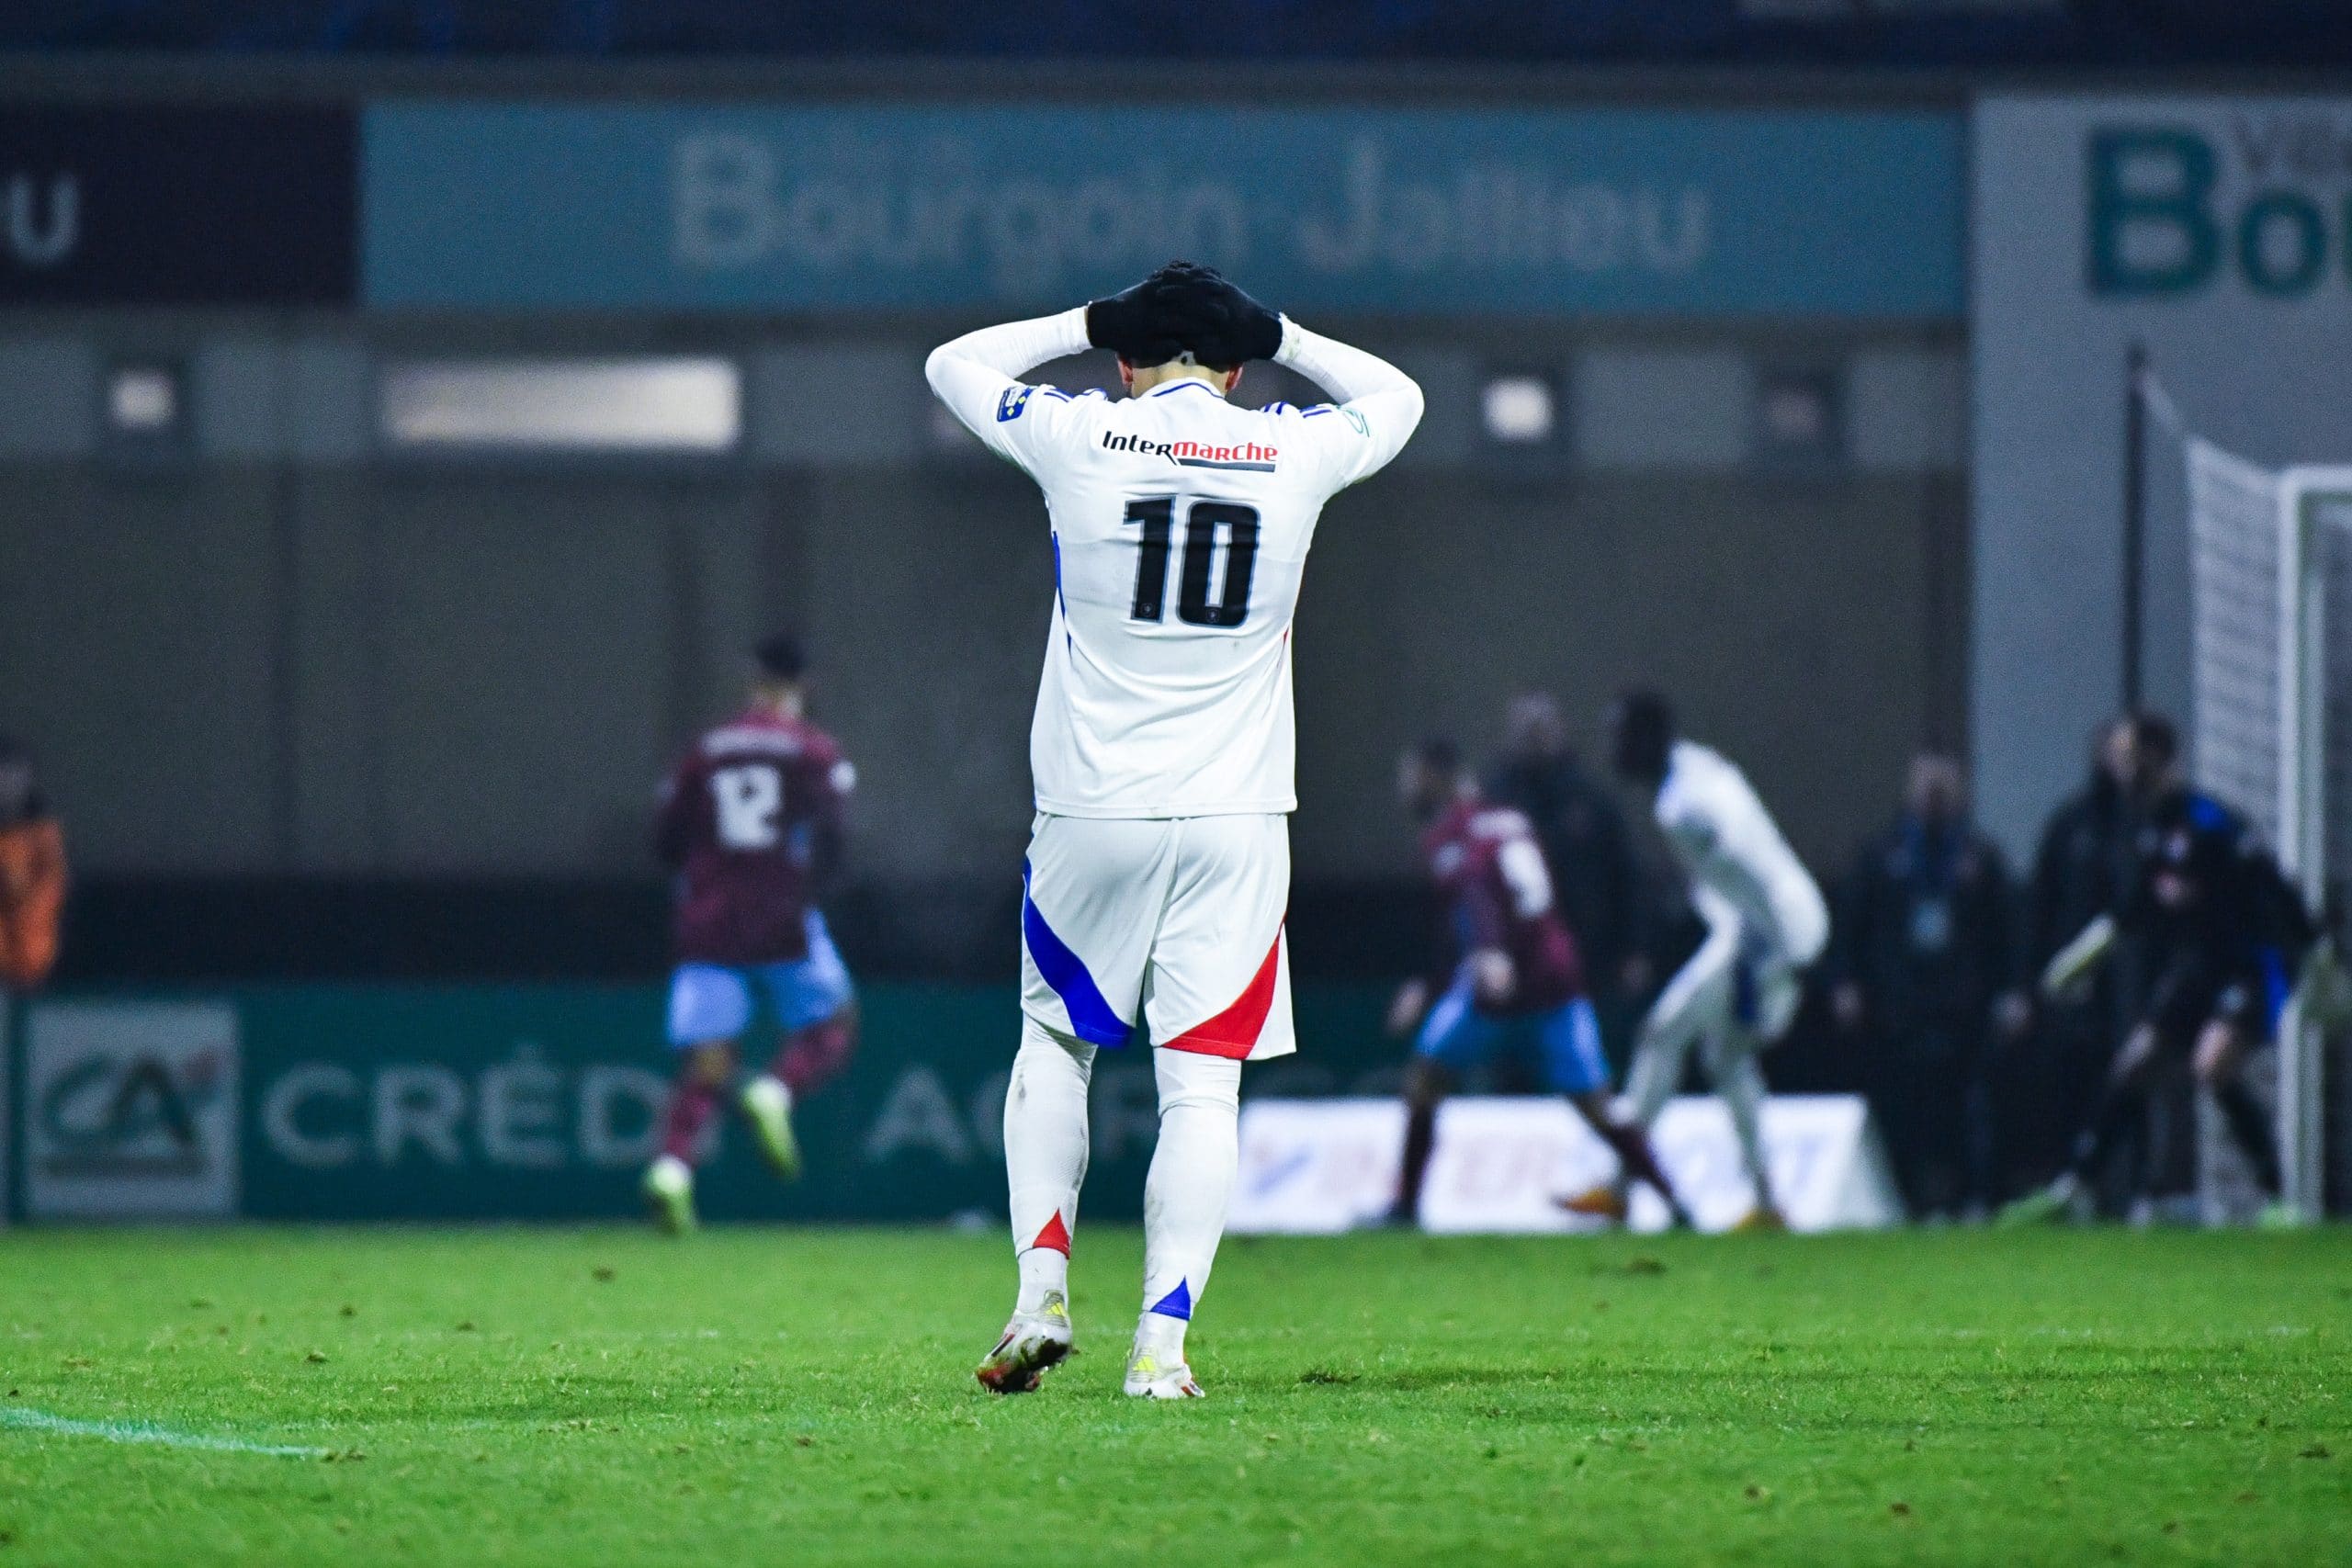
(1731, 1063)
(1045, 1155)
(1657, 1073)
(1184, 1197)
(1696, 1004)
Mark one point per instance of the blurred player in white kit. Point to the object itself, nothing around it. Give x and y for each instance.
(1766, 921)
(1159, 869)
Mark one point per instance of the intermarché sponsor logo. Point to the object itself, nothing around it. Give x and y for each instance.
(1190, 454)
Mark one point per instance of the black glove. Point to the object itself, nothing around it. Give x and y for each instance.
(1184, 308)
(1233, 328)
(1132, 325)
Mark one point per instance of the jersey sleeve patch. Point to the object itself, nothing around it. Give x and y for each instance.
(1013, 404)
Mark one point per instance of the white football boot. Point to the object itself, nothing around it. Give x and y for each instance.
(1035, 1343)
(1153, 1376)
(669, 1194)
(768, 1103)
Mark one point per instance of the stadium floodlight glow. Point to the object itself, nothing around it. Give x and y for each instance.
(650, 406)
(1799, 417)
(143, 413)
(144, 400)
(1518, 410)
(1794, 415)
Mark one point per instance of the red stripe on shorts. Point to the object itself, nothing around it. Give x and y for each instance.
(1234, 1033)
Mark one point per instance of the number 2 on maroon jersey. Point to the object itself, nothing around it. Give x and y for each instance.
(749, 799)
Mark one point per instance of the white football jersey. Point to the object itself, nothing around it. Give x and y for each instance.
(1181, 525)
(1733, 849)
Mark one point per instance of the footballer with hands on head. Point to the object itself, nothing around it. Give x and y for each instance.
(1162, 747)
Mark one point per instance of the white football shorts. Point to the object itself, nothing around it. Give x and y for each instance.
(1172, 926)
(1737, 990)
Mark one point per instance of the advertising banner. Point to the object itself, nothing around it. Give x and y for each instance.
(137, 205)
(530, 1102)
(2216, 233)
(543, 1102)
(131, 1111)
(1502, 1165)
(868, 206)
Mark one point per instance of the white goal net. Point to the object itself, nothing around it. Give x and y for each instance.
(2271, 727)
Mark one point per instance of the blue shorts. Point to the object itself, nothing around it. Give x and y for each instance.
(1457, 1036)
(714, 1001)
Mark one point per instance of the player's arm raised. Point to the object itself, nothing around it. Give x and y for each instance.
(1380, 406)
(978, 374)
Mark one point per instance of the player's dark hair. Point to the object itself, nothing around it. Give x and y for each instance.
(2154, 740)
(1645, 713)
(780, 657)
(1641, 733)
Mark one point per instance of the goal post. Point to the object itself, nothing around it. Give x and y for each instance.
(2271, 726)
(2315, 836)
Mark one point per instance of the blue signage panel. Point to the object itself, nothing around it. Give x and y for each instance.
(736, 207)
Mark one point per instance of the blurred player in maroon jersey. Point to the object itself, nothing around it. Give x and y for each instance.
(751, 822)
(1518, 982)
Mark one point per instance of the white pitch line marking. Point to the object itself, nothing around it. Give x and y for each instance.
(25, 1420)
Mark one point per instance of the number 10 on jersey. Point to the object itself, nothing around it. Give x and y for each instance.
(1203, 521)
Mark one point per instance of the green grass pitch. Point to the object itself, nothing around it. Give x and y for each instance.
(604, 1396)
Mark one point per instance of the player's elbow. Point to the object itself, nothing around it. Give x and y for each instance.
(1411, 405)
(1400, 409)
(937, 369)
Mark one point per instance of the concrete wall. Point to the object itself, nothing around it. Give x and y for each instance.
(281, 650)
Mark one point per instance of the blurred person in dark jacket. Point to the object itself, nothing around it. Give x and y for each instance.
(2225, 938)
(32, 874)
(1595, 874)
(2087, 857)
(1922, 968)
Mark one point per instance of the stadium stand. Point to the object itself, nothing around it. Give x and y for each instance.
(1898, 33)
